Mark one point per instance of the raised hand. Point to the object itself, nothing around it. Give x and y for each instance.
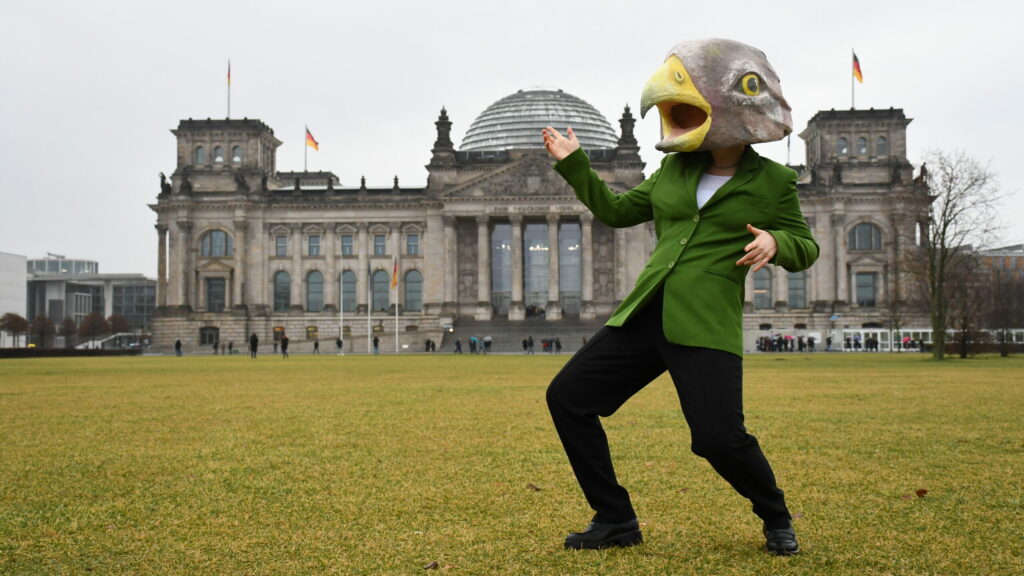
(760, 251)
(557, 145)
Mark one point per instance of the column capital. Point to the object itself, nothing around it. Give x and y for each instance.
(483, 219)
(516, 219)
(586, 218)
(184, 225)
(241, 225)
(161, 228)
(553, 218)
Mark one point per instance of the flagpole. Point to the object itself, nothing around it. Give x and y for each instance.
(394, 281)
(341, 310)
(305, 151)
(369, 305)
(229, 88)
(853, 101)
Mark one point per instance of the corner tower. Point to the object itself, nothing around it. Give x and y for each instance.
(223, 156)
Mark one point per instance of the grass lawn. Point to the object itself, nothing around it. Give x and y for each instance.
(383, 465)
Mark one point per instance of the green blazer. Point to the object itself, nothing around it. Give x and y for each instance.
(697, 250)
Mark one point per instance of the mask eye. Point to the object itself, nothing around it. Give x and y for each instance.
(751, 84)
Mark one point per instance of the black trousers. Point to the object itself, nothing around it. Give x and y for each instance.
(616, 364)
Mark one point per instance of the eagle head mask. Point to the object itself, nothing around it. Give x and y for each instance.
(716, 93)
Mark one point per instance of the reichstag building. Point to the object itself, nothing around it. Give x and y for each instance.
(496, 242)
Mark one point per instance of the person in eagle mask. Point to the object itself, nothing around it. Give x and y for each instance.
(719, 209)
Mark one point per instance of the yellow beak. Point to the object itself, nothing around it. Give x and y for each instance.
(685, 114)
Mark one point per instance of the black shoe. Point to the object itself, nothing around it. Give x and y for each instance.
(599, 535)
(781, 542)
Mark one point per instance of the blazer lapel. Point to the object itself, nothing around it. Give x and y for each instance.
(744, 173)
(693, 167)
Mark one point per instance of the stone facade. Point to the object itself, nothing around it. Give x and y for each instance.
(245, 249)
(868, 214)
(495, 236)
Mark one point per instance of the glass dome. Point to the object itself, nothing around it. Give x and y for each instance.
(515, 122)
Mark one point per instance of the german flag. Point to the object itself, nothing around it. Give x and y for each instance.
(310, 141)
(394, 274)
(856, 69)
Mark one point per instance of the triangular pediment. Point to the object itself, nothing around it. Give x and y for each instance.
(214, 266)
(529, 176)
(866, 258)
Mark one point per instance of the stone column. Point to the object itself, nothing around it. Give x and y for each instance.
(622, 286)
(363, 248)
(587, 311)
(161, 266)
(780, 286)
(450, 264)
(328, 248)
(174, 280)
(241, 247)
(483, 267)
(298, 281)
(839, 259)
(186, 270)
(553, 310)
(517, 310)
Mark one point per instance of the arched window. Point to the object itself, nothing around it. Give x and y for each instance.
(236, 155)
(348, 291)
(282, 291)
(200, 155)
(216, 243)
(881, 146)
(380, 285)
(314, 292)
(798, 289)
(762, 289)
(842, 148)
(862, 145)
(865, 236)
(218, 155)
(414, 290)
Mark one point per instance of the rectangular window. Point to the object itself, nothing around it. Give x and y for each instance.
(866, 289)
(379, 245)
(412, 244)
(215, 294)
(346, 245)
(797, 289)
(280, 246)
(314, 245)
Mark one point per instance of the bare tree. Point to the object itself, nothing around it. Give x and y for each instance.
(118, 324)
(43, 331)
(68, 329)
(963, 212)
(14, 324)
(92, 326)
(968, 291)
(1006, 308)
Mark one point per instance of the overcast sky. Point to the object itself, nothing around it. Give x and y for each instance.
(89, 90)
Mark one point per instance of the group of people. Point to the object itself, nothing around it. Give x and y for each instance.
(476, 345)
(548, 345)
(787, 343)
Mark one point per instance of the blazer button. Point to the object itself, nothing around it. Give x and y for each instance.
(696, 218)
(682, 242)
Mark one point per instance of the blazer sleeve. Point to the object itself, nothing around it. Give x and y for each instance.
(797, 249)
(615, 210)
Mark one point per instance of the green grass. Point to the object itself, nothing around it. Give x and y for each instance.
(381, 465)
